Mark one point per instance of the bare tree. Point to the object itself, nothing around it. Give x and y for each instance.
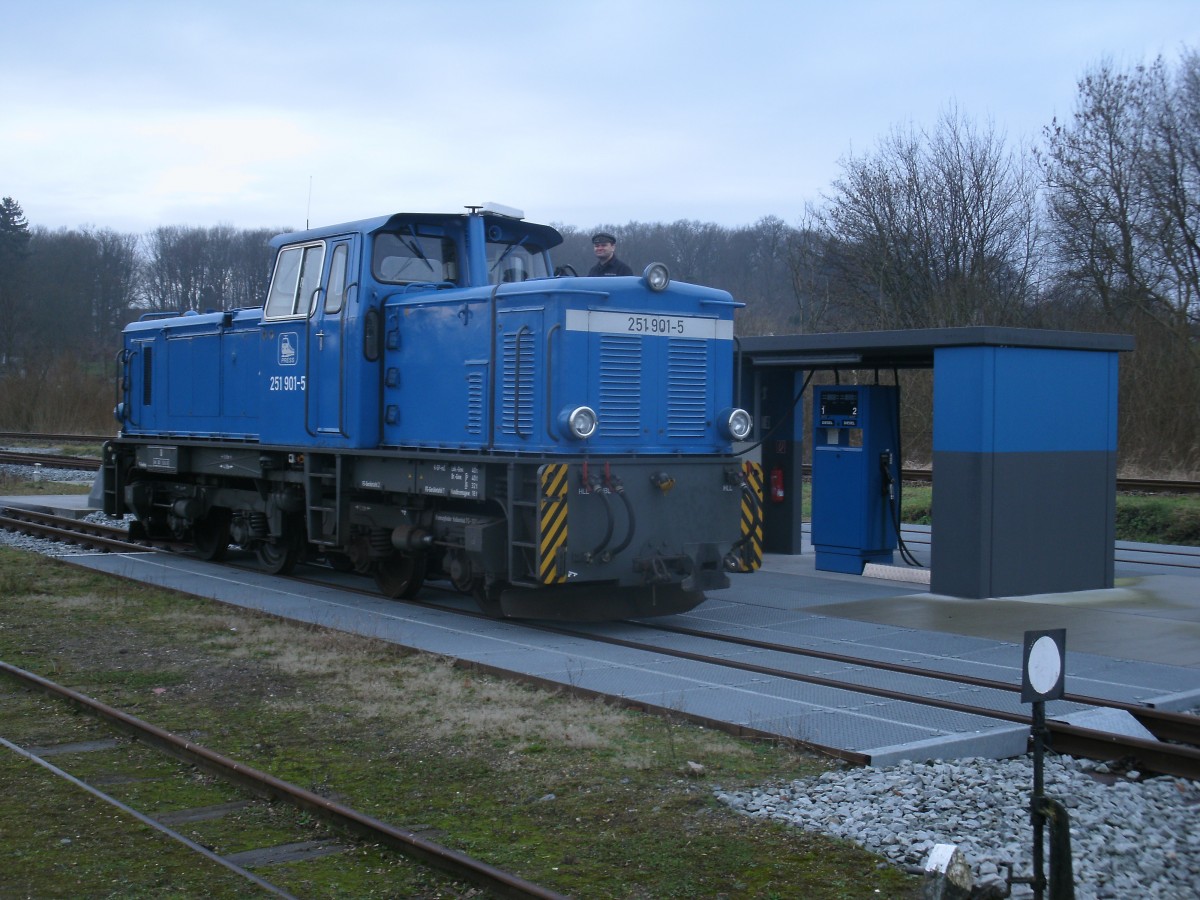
(813, 278)
(1124, 193)
(1123, 182)
(937, 228)
(205, 268)
(113, 285)
(79, 287)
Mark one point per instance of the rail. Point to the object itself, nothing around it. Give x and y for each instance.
(344, 818)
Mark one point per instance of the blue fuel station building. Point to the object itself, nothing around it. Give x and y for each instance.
(1024, 452)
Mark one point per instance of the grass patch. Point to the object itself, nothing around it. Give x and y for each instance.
(1159, 519)
(584, 798)
(1154, 519)
(1147, 518)
(19, 487)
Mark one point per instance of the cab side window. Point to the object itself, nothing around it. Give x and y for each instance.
(335, 296)
(517, 260)
(297, 276)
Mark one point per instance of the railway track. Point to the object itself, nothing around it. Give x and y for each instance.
(1124, 485)
(912, 475)
(97, 536)
(39, 437)
(49, 460)
(1175, 752)
(263, 787)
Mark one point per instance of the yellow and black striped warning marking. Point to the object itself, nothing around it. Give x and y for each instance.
(752, 518)
(552, 522)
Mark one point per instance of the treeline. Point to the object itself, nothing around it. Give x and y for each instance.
(1092, 228)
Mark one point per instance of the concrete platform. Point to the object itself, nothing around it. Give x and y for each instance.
(69, 506)
(1138, 642)
(1151, 614)
(883, 731)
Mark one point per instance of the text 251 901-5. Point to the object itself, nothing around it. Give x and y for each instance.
(655, 325)
(288, 382)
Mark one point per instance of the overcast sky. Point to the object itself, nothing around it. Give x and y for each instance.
(131, 115)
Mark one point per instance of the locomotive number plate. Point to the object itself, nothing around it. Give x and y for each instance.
(648, 324)
(158, 459)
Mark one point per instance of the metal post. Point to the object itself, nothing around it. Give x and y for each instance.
(1035, 805)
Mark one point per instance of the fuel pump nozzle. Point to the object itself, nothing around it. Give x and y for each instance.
(885, 468)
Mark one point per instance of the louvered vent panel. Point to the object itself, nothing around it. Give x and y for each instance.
(474, 403)
(687, 388)
(620, 386)
(516, 416)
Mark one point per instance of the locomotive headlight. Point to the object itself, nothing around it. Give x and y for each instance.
(657, 277)
(579, 422)
(736, 424)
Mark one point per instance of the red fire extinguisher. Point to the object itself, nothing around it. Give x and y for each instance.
(777, 485)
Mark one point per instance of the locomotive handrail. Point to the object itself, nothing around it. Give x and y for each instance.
(425, 285)
(491, 387)
(427, 296)
(119, 382)
(737, 370)
(713, 301)
(549, 382)
(308, 359)
(533, 287)
(125, 383)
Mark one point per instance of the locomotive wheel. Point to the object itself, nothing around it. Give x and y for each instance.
(400, 575)
(460, 573)
(487, 598)
(210, 535)
(277, 559)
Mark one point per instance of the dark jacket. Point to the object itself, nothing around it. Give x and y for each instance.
(613, 267)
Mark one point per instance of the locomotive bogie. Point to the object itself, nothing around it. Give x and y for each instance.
(622, 523)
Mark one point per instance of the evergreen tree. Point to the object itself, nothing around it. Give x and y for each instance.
(14, 250)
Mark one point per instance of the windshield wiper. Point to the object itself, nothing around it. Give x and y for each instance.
(415, 247)
(507, 250)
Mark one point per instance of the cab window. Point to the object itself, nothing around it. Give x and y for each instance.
(297, 276)
(516, 260)
(335, 296)
(415, 256)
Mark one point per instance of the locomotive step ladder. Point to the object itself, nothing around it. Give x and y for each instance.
(537, 517)
(323, 495)
(522, 524)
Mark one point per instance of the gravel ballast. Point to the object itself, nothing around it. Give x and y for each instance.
(1129, 838)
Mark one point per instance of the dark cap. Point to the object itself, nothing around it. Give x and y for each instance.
(603, 237)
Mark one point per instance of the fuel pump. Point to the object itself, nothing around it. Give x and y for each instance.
(855, 475)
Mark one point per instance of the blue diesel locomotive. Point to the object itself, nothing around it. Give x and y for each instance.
(422, 395)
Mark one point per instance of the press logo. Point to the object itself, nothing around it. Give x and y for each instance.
(288, 342)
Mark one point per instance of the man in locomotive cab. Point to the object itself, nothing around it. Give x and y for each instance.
(514, 270)
(605, 247)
